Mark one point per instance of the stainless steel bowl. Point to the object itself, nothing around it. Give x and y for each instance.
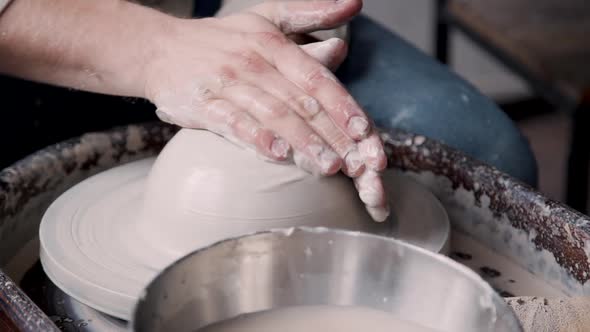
(315, 266)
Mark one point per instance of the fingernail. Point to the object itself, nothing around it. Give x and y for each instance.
(370, 197)
(311, 105)
(329, 161)
(353, 162)
(358, 127)
(280, 148)
(376, 158)
(379, 214)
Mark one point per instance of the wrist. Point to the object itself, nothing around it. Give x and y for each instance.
(143, 40)
(99, 46)
(170, 47)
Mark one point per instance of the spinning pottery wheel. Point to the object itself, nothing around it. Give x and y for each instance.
(104, 239)
(522, 243)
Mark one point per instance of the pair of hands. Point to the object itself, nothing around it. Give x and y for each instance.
(241, 77)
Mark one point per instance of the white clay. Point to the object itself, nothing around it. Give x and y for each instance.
(104, 239)
(539, 314)
(317, 319)
(218, 190)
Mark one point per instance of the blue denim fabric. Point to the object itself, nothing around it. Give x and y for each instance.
(401, 87)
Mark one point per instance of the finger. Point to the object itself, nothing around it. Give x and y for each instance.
(379, 214)
(308, 16)
(306, 164)
(316, 81)
(278, 117)
(231, 122)
(303, 162)
(372, 193)
(372, 152)
(312, 113)
(330, 53)
(370, 188)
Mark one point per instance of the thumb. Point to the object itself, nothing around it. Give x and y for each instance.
(308, 16)
(330, 53)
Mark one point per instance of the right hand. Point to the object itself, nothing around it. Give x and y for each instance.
(241, 77)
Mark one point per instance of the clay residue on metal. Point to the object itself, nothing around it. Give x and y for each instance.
(21, 310)
(24, 187)
(558, 229)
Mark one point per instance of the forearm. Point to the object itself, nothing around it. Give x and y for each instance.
(94, 45)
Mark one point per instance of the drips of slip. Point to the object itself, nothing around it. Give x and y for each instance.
(319, 318)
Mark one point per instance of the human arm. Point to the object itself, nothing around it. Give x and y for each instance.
(238, 76)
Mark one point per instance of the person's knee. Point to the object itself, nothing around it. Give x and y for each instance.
(401, 87)
(459, 116)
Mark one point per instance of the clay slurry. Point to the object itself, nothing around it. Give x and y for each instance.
(319, 318)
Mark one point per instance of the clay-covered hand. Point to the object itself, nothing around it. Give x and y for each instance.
(331, 53)
(241, 77)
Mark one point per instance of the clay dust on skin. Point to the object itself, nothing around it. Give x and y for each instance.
(310, 105)
(367, 192)
(371, 194)
(379, 214)
(324, 161)
(293, 23)
(353, 162)
(372, 150)
(305, 163)
(325, 158)
(356, 126)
